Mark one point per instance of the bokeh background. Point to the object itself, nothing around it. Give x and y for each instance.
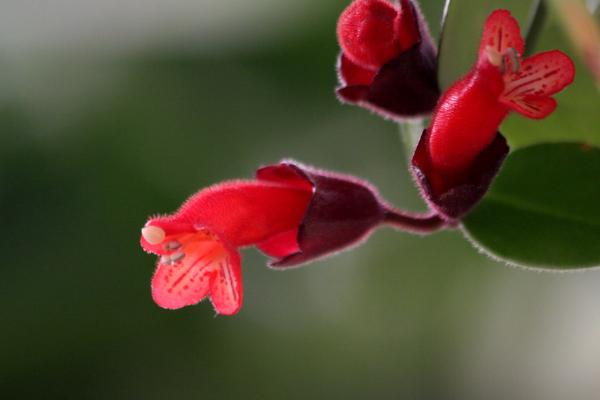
(114, 110)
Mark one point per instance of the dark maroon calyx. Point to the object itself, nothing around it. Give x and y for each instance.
(454, 193)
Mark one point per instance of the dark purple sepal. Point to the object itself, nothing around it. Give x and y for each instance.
(341, 213)
(454, 193)
(405, 87)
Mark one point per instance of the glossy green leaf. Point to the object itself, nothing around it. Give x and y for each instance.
(461, 31)
(543, 210)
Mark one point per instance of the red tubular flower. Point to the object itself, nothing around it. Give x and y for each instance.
(460, 153)
(198, 244)
(388, 61)
(291, 212)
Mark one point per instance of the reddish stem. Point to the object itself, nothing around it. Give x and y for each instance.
(424, 223)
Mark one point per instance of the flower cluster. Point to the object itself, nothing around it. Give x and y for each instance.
(461, 151)
(296, 214)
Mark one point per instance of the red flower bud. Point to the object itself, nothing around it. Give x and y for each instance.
(388, 61)
(462, 150)
(291, 212)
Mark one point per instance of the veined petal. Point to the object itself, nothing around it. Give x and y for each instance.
(501, 32)
(183, 277)
(532, 106)
(226, 292)
(527, 91)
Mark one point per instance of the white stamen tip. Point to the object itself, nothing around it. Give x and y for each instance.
(174, 245)
(153, 234)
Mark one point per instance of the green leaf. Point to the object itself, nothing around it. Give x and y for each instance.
(461, 31)
(543, 210)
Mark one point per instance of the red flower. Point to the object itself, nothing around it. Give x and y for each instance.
(462, 150)
(388, 61)
(291, 212)
(198, 244)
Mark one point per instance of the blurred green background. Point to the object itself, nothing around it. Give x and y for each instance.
(115, 110)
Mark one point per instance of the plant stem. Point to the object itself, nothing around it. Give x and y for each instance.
(425, 223)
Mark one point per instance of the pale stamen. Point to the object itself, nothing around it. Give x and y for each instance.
(494, 57)
(177, 256)
(153, 234)
(172, 258)
(513, 56)
(500, 60)
(174, 245)
(188, 244)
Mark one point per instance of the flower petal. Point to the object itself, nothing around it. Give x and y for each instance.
(501, 32)
(246, 212)
(184, 279)
(408, 24)
(169, 228)
(285, 173)
(532, 106)
(541, 75)
(352, 74)
(281, 245)
(366, 32)
(226, 292)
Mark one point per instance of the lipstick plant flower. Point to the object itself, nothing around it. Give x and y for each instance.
(296, 214)
(388, 60)
(293, 213)
(460, 153)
